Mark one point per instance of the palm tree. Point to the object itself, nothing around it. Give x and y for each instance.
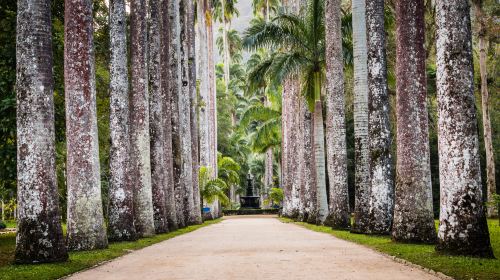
(265, 7)
(483, 72)
(139, 121)
(121, 192)
(462, 222)
(361, 151)
(413, 214)
(85, 215)
(39, 235)
(335, 118)
(156, 129)
(300, 52)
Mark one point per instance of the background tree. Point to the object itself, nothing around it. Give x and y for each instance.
(85, 216)
(39, 235)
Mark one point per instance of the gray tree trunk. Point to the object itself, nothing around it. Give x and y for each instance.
(413, 214)
(319, 162)
(85, 222)
(121, 192)
(339, 215)
(156, 123)
(190, 22)
(361, 152)
(184, 105)
(462, 221)
(483, 71)
(139, 121)
(381, 173)
(309, 176)
(166, 84)
(39, 233)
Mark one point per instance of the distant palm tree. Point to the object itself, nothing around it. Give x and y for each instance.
(298, 42)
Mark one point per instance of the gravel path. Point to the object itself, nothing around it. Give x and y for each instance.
(253, 247)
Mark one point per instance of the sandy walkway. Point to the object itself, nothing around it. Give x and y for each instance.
(253, 248)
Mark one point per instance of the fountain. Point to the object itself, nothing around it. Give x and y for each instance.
(250, 200)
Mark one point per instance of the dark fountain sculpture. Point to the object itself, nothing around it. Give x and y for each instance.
(250, 200)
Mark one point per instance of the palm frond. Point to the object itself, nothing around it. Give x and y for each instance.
(258, 113)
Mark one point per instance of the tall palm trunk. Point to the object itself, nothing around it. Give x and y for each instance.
(413, 215)
(483, 71)
(39, 235)
(121, 190)
(193, 96)
(166, 85)
(319, 152)
(308, 197)
(339, 216)
(381, 173)
(139, 121)
(184, 103)
(462, 221)
(225, 47)
(361, 152)
(156, 129)
(85, 216)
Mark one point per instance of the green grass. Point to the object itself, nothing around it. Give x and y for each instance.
(77, 260)
(425, 255)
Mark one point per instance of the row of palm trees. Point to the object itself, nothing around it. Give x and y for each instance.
(155, 153)
(307, 57)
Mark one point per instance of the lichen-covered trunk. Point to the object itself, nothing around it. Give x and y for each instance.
(139, 121)
(190, 29)
(483, 71)
(121, 193)
(381, 173)
(156, 123)
(308, 174)
(175, 91)
(85, 215)
(166, 84)
(268, 175)
(339, 215)
(413, 215)
(462, 221)
(184, 106)
(361, 152)
(39, 233)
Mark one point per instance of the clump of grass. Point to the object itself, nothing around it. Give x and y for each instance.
(457, 267)
(77, 260)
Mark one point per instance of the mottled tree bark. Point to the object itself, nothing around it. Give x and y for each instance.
(381, 173)
(413, 214)
(184, 103)
(319, 155)
(156, 123)
(121, 192)
(39, 233)
(309, 179)
(166, 84)
(190, 29)
(139, 121)
(86, 229)
(339, 215)
(462, 222)
(483, 71)
(361, 152)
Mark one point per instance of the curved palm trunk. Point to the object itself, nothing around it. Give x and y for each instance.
(339, 216)
(413, 214)
(184, 104)
(121, 193)
(462, 221)
(361, 154)
(166, 84)
(319, 154)
(193, 96)
(39, 235)
(139, 121)
(488, 143)
(85, 216)
(382, 180)
(156, 129)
